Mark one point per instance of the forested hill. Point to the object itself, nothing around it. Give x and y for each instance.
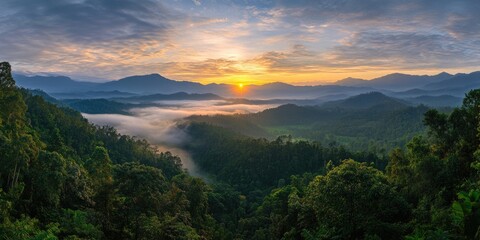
(430, 190)
(363, 122)
(367, 100)
(63, 178)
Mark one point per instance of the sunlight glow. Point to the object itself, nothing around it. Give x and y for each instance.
(239, 89)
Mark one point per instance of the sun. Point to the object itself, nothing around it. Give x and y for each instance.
(239, 89)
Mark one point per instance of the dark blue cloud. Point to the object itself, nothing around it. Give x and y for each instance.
(405, 50)
(89, 20)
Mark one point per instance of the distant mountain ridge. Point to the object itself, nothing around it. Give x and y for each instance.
(91, 94)
(396, 84)
(463, 81)
(396, 81)
(51, 84)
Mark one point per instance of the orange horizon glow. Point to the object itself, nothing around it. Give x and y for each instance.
(313, 78)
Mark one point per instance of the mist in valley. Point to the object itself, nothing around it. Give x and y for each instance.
(159, 125)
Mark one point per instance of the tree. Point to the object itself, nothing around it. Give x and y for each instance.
(356, 200)
(6, 79)
(196, 192)
(398, 168)
(100, 171)
(17, 147)
(99, 167)
(74, 224)
(27, 228)
(48, 179)
(139, 191)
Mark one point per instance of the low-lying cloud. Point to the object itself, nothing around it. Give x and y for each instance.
(158, 125)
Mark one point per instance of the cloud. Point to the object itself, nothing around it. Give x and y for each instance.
(197, 2)
(404, 50)
(229, 40)
(88, 21)
(158, 125)
(71, 35)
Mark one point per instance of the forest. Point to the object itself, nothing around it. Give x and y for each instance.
(62, 177)
(366, 122)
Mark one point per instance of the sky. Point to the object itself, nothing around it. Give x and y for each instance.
(240, 41)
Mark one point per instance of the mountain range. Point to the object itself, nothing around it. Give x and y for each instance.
(396, 85)
(396, 81)
(51, 84)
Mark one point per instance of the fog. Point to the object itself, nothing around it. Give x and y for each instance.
(158, 124)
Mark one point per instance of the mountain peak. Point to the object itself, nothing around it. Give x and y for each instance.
(150, 84)
(350, 81)
(444, 74)
(366, 100)
(394, 75)
(146, 76)
(277, 84)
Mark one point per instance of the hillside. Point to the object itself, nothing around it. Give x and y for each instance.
(63, 178)
(436, 101)
(98, 106)
(360, 122)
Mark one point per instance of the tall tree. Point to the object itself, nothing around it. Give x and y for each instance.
(355, 200)
(17, 147)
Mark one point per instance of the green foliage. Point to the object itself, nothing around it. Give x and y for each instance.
(48, 175)
(95, 106)
(27, 228)
(99, 167)
(6, 79)
(433, 170)
(16, 142)
(367, 123)
(356, 200)
(63, 178)
(75, 224)
(466, 213)
(248, 163)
